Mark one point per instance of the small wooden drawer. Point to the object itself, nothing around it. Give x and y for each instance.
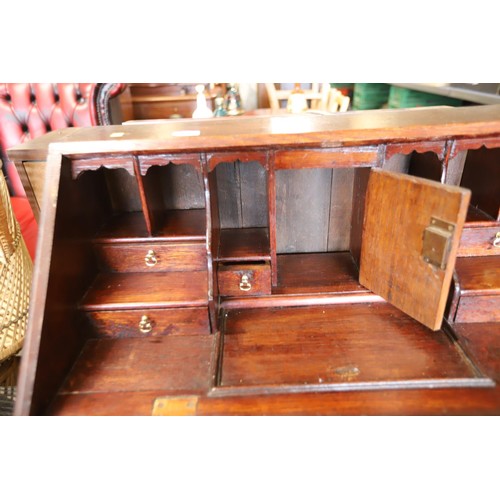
(244, 279)
(151, 257)
(478, 309)
(480, 240)
(149, 322)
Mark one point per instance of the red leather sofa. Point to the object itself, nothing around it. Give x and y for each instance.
(28, 110)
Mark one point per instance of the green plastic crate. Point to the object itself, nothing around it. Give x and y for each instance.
(370, 95)
(400, 97)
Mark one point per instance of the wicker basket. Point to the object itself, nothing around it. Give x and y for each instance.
(15, 279)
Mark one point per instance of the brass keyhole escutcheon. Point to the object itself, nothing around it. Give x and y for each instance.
(151, 258)
(145, 325)
(496, 240)
(245, 285)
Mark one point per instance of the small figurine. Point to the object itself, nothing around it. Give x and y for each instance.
(202, 110)
(232, 101)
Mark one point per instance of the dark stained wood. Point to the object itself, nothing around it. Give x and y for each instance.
(122, 324)
(334, 345)
(181, 186)
(171, 187)
(482, 342)
(479, 295)
(271, 200)
(482, 176)
(299, 230)
(174, 364)
(456, 401)
(122, 189)
(386, 342)
(426, 165)
(477, 240)
(304, 299)
(174, 256)
(339, 232)
(479, 275)
(149, 290)
(182, 225)
(231, 282)
(52, 341)
(32, 175)
(244, 244)
(341, 129)
(392, 264)
(240, 156)
(476, 215)
(478, 308)
(210, 229)
(317, 273)
(152, 203)
(455, 168)
(110, 162)
(149, 160)
(123, 403)
(406, 149)
(324, 158)
(469, 143)
(213, 238)
(253, 189)
(229, 195)
(361, 177)
(177, 225)
(242, 194)
(397, 163)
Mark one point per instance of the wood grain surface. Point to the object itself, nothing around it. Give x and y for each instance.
(398, 210)
(333, 272)
(244, 244)
(335, 344)
(124, 324)
(151, 290)
(230, 278)
(178, 364)
(172, 256)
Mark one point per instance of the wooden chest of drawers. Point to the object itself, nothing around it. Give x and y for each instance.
(268, 265)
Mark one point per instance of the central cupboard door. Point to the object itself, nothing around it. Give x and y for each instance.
(411, 232)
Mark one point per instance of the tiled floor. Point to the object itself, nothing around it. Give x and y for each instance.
(8, 378)
(6, 405)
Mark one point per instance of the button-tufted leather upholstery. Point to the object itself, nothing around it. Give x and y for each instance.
(28, 110)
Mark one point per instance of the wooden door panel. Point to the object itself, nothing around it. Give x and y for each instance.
(398, 210)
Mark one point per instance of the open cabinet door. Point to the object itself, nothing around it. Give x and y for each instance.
(411, 232)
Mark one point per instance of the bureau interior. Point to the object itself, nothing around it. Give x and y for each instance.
(481, 174)
(240, 212)
(113, 208)
(474, 169)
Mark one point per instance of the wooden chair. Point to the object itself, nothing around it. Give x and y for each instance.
(321, 96)
(337, 102)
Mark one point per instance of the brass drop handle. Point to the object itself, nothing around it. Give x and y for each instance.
(245, 285)
(145, 325)
(496, 241)
(151, 258)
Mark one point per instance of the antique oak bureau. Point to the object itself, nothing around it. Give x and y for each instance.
(307, 264)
